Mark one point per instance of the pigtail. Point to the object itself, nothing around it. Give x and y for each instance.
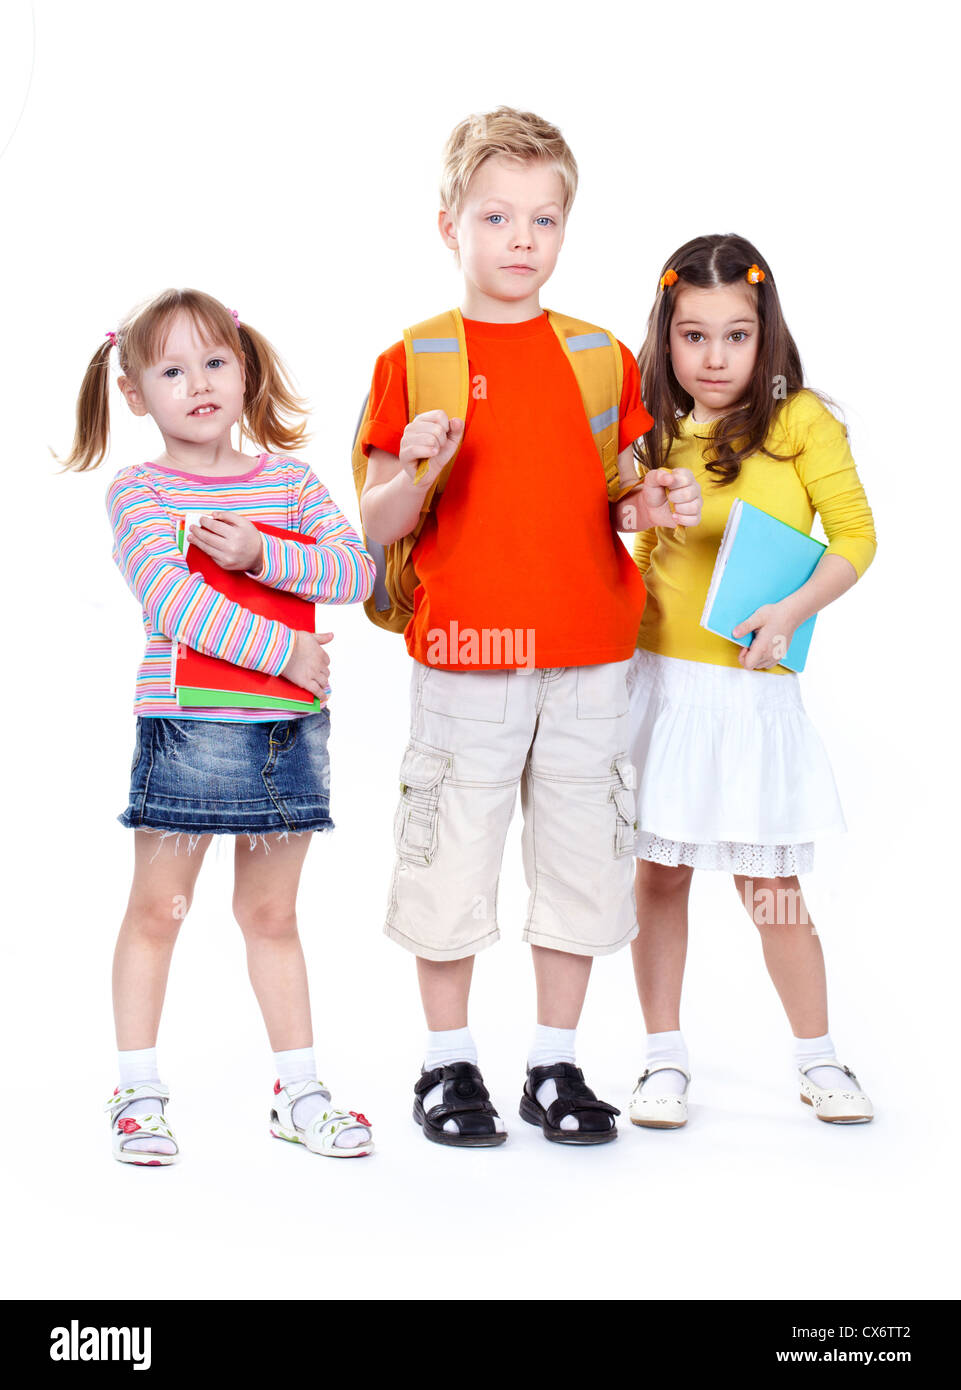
(93, 415)
(269, 397)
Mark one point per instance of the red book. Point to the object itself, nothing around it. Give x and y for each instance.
(202, 680)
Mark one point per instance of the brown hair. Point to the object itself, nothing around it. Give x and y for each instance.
(515, 134)
(708, 262)
(140, 340)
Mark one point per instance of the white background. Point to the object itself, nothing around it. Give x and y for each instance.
(285, 158)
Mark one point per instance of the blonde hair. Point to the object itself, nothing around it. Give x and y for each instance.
(514, 134)
(140, 339)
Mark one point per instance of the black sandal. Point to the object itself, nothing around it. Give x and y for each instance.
(595, 1117)
(466, 1102)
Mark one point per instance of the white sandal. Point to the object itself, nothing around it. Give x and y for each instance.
(318, 1134)
(659, 1112)
(831, 1104)
(140, 1126)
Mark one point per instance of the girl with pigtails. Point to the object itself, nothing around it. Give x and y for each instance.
(732, 776)
(259, 775)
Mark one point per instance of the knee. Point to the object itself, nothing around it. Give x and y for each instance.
(663, 880)
(265, 919)
(157, 919)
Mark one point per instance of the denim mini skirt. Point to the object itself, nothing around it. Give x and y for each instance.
(202, 776)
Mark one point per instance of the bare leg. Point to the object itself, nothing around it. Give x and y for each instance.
(792, 950)
(445, 991)
(561, 986)
(160, 895)
(659, 950)
(265, 895)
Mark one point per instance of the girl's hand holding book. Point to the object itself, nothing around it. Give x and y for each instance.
(773, 626)
(231, 540)
(309, 664)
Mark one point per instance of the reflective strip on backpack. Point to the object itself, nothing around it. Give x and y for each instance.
(607, 417)
(376, 552)
(435, 345)
(580, 341)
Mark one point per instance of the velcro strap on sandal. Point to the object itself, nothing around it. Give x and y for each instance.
(462, 1079)
(464, 1091)
(340, 1119)
(144, 1127)
(126, 1095)
(576, 1105)
(573, 1093)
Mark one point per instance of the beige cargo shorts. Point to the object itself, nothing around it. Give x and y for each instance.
(560, 733)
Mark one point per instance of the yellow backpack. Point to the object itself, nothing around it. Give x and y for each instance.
(437, 379)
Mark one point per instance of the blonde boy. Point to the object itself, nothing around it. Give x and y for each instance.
(521, 544)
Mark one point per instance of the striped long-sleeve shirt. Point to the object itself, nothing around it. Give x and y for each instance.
(143, 502)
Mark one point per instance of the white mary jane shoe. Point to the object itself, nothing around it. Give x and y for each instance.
(831, 1103)
(319, 1133)
(659, 1112)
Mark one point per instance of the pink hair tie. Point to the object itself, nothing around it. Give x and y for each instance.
(236, 317)
(112, 336)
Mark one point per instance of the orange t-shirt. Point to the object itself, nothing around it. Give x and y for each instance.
(520, 543)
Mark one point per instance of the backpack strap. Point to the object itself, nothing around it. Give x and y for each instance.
(437, 377)
(595, 359)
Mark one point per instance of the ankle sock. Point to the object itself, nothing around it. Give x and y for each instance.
(671, 1048)
(449, 1045)
(297, 1064)
(444, 1046)
(806, 1049)
(138, 1067)
(550, 1045)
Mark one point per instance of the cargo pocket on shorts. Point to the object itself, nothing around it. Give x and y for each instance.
(624, 797)
(422, 773)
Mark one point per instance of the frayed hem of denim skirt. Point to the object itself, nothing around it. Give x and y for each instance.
(194, 836)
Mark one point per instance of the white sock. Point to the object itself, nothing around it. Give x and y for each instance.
(806, 1049)
(297, 1064)
(138, 1067)
(671, 1048)
(449, 1045)
(550, 1045)
(444, 1046)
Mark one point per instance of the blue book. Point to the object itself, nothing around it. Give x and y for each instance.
(760, 560)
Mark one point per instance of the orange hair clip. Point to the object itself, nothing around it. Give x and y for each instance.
(755, 275)
(668, 278)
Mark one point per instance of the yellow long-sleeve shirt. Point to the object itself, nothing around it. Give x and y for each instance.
(821, 479)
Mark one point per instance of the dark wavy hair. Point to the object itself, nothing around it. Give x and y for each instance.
(708, 262)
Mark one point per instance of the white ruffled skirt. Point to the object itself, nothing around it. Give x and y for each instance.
(731, 773)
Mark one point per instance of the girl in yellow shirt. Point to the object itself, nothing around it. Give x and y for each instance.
(732, 775)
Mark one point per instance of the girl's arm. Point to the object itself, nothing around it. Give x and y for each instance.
(830, 477)
(335, 570)
(178, 603)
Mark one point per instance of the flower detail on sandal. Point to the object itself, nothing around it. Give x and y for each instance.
(321, 1131)
(131, 1137)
